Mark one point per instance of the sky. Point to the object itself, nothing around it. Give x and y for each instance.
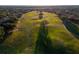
(39, 2)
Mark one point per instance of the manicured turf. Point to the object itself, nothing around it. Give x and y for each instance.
(24, 37)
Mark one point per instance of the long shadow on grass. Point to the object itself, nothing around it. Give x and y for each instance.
(44, 45)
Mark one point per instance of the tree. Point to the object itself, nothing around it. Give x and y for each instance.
(1, 34)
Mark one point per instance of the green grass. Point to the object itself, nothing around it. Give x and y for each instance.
(24, 38)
